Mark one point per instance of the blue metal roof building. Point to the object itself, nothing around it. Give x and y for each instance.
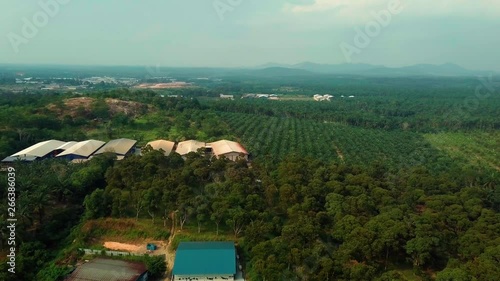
(205, 261)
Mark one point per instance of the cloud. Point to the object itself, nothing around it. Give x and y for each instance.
(298, 6)
(353, 8)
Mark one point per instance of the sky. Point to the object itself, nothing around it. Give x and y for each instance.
(240, 33)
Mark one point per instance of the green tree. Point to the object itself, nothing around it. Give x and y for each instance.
(95, 205)
(156, 266)
(219, 211)
(152, 202)
(453, 274)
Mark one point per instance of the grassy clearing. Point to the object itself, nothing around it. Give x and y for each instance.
(477, 148)
(144, 129)
(409, 275)
(94, 232)
(207, 233)
(189, 236)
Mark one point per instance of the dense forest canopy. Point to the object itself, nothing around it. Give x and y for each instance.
(300, 219)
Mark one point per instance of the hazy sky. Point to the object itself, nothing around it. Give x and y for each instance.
(249, 32)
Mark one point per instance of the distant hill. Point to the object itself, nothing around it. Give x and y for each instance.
(447, 69)
(281, 71)
(267, 70)
(335, 68)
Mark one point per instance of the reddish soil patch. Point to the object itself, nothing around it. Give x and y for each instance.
(121, 246)
(172, 85)
(139, 248)
(420, 208)
(339, 153)
(129, 108)
(72, 107)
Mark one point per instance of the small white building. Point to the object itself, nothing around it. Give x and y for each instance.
(227, 97)
(322, 97)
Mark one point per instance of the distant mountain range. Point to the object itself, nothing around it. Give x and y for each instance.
(304, 69)
(448, 69)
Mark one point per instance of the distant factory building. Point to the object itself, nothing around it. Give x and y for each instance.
(322, 97)
(81, 150)
(229, 149)
(39, 151)
(204, 261)
(166, 146)
(185, 147)
(227, 97)
(100, 269)
(120, 147)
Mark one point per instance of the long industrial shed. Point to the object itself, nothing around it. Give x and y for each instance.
(81, 150)
(41, 150)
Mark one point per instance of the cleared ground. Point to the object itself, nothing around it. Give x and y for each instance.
(130, 235)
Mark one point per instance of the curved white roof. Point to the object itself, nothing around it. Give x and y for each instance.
(41, 149)
(83, 148)
(167, 146)
(118, 146)
(224, 146)
(185, 147)
(67, 145)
